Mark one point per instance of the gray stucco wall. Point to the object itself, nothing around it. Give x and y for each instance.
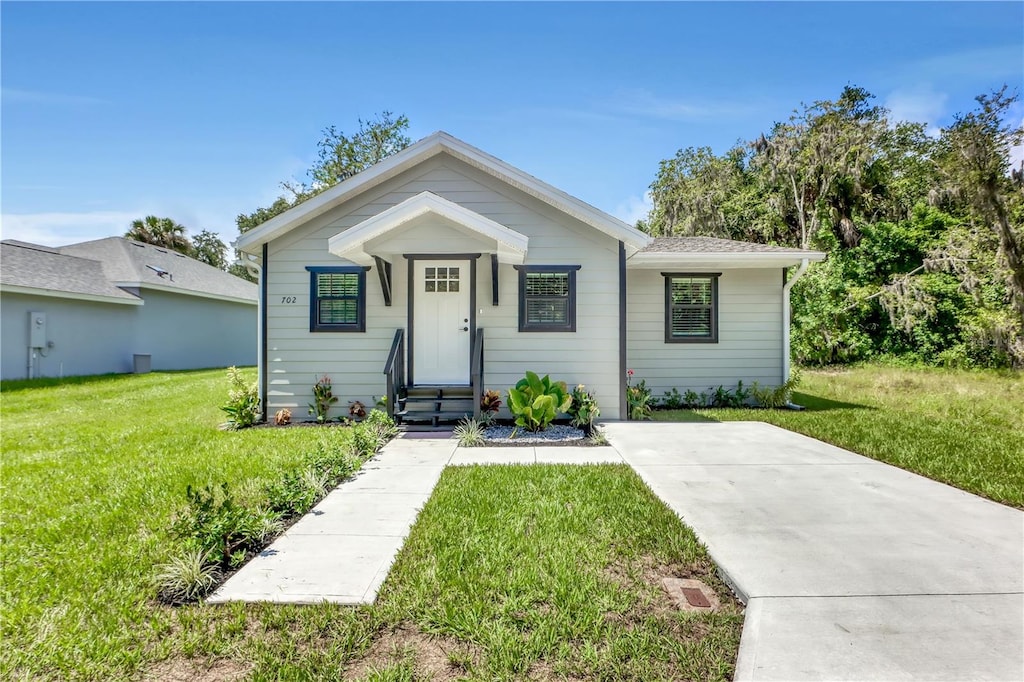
(88, 337)
(180, 332)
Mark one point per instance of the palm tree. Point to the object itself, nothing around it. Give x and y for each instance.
(160, 232)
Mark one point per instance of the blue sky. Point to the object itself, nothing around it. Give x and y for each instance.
(198, 111)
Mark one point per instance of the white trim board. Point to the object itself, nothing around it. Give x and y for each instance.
(54, 293)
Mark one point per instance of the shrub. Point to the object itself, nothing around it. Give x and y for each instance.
(323, 398)
(774, 398)
(584, 409)
(383, 423)
(638, 398)
(224, 531)
(692, 399)
(186, 578)
(490, 401)
(356, 410)
(469, 433)
(243, 405)
(298, 491)
(283, 417)
(535, 402)
(673, 400)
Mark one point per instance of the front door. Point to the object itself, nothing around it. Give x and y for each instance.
(441, 334)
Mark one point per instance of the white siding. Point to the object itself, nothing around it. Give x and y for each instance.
(355, 360)
(749, 344)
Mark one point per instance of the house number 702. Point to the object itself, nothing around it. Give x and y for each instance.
(287, 299)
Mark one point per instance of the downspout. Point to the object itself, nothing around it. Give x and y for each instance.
(785, 324)
(256, 270)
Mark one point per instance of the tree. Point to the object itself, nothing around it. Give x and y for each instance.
(160, 232)
(208, 248)
(339, 158)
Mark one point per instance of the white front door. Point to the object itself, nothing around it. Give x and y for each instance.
(441, 331)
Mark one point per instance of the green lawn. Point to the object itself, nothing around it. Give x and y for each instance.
(964, 428)
(511, 572)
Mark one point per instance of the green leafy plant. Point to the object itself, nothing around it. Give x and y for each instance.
(673, 400)
(186, 578)
(584, 409)
(638, 398)
(298, 491)
(224, 530)
(536, 402)
(469, 433)
(323, 398)
(691, 399)
(778, 396)
(243, 405)
(382, 423)
(597, 437)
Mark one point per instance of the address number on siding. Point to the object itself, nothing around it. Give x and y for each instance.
(287, 299)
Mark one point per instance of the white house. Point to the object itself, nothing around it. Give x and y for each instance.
(91, 308)
(442, 270)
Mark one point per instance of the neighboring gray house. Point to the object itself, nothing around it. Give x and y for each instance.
(442, 270)
(90, 308)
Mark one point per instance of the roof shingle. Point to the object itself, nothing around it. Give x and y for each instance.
(712, 245)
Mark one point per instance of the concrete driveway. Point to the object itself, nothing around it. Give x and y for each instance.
(851, 569)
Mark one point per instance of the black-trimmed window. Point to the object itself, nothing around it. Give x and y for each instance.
(691, 307)
(547, 298)
(337, 299)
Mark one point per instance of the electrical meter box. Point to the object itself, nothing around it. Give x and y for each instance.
(37, 330)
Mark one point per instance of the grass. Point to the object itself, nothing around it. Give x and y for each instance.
(510, 572)
(964, 428)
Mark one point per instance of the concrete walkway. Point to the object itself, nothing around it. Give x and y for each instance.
(343, 549)
(851, 569)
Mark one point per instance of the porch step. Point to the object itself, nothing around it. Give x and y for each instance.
(436, 406)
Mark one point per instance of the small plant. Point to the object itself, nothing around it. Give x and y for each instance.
(186, 578)
(383, 423)
(535, 402)
(691, 399)
(469, 433)
(741, 394)
(638, 398)
(298, 491)
(597, 437)
(283, 417)
(673, 400)
(356, 410)
(583, 410)
(774, 398)
(490, 402)
(323, 398)
(243, 405)
(223, 530)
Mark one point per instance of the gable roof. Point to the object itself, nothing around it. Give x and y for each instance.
(713, 252)
(104, 268)
(425, 149)
(510, 245)
(128, 263)
(40, 270)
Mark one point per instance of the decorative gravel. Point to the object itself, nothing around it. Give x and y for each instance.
(559, 434)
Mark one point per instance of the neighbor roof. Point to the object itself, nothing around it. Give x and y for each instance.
(129, 263)
(713, 245)
(417, 153)
(106, 267)
(30, 268)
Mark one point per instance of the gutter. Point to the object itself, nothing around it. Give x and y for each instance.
(785, 323)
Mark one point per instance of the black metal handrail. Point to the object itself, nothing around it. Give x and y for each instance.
(476, 371)
(394, 371)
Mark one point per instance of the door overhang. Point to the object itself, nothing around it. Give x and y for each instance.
(353, 244)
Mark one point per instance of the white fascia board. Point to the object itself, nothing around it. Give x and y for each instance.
(54, 293)
(349, 244)
(424, 149)
(187, 292)
(726, 260)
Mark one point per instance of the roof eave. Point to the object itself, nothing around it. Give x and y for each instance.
(721, 259)
(56, 293)
(188, 292)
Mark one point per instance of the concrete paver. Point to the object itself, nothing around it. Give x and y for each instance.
(851, 569)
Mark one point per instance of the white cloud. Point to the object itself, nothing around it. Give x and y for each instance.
(918, 105)
(1017, 153)
(641, 102)
(634, 208)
